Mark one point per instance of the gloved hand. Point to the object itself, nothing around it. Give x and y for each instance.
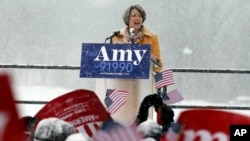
(165, 117)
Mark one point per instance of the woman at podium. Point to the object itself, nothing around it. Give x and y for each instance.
(134, 32)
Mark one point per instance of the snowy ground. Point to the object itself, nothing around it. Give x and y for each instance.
(41, 93)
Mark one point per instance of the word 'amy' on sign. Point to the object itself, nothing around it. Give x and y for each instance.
(119, 55)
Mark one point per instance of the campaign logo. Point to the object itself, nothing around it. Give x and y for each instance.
(115, 60)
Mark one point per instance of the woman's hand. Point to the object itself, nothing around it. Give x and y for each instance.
(155, 60)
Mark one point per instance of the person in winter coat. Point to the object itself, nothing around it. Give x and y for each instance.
(53, 129)
(134, 18)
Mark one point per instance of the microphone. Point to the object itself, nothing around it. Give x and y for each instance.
(132, 34)
(115, 33)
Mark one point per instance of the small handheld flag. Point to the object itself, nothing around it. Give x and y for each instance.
(115, 99)
(164, 78)
(172, 97)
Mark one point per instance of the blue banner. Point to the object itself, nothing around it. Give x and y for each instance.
(100, 60)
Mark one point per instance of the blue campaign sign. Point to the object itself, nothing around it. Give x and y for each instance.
(101, 60)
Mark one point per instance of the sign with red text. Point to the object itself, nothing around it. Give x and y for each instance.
(205, 125)
(10, 127)
(82, 108)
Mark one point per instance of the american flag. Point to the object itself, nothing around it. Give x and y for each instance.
(115, 99)
(172, 97)
(114, 132)
(174, 132)
(164, 78)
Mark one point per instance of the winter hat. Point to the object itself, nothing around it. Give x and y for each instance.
(29, 123)
(165, 117)
(78, 137)
(149, 128)
(53, 129)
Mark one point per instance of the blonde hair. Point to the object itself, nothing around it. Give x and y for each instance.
(126, 14)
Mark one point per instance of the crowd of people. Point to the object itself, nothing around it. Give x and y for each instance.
(55, 129)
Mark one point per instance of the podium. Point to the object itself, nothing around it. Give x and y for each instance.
(101, 60)
(125, 67)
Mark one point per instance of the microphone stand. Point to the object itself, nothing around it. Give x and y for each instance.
(110, 39)
(132, 41)
(115, 33)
